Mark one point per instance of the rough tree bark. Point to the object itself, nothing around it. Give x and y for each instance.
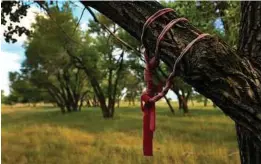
(249, 47)
(211, 66)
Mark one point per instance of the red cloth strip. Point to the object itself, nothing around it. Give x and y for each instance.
(150, 96)
(148, 108)
(153, 18)
(148, 126)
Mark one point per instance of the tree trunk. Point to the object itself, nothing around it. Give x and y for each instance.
(95, 85)
(95, 102)
(250, 152)
(179, 98)
(205, 102)
(169, 104)
(105, 112)
(211, 67)
(192, 101)
(88, 103)
(180, 102)
(184, 105)
(133, 101)
(99, 93)
(62, 109)
(112, 111)
(250, 33)
(250, 47)
(186, 101)
(56, 96)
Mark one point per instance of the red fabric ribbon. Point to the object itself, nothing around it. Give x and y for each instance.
(148, 106)
(148, 124)
(155, 92)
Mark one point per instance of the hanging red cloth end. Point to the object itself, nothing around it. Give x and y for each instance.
(148, 109)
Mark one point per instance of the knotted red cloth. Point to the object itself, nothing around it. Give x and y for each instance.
(155, 92)
(148, 106)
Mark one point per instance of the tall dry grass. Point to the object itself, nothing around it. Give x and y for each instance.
(44, 135)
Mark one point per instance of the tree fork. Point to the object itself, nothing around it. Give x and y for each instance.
(211, 67)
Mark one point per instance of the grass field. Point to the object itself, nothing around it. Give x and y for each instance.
(45, 136)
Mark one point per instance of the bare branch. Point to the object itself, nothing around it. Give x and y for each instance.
(79, 21)
(113, 34)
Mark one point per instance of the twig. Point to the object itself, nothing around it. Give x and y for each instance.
(78, 21)
(108, 30)
(41, 4)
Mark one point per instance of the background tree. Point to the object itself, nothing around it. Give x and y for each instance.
(133, 87)
(103, 65)
(3, 97)
(183, 92)
(47, 63)
(23, 91)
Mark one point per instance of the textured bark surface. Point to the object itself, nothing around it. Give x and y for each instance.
(210, 66)
(249, 47)
(250, 152)
(250, 32)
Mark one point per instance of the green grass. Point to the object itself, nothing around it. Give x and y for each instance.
(44, 135)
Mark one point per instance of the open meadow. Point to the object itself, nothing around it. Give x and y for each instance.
(43, 135)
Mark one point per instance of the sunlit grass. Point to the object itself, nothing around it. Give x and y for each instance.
(44, 135)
